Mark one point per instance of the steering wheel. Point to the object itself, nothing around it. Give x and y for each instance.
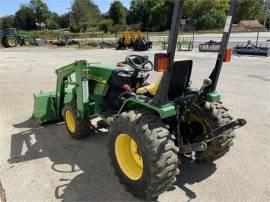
(139, 63)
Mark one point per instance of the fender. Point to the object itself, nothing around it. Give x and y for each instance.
(163, 111)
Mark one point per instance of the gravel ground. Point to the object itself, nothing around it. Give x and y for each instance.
(41, 163)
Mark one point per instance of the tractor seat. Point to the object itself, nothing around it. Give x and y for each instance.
(179, 81)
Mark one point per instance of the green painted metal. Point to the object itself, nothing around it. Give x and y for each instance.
(213, 97)
(88, 97)
(100, 72)
(82, 91)
(69, 95)
(44, 107)
(88, 91)
(164, 111)
(98, 96)
(62, 76)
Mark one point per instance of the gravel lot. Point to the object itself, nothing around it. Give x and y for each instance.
(41, 163)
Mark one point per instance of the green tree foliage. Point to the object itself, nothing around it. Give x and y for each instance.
(35, 12)
(250, 10)
(139, 12)
(84, 14)
(206, 14)
(160, 15)
(117, 13)
(25, 18)
(156, 15)
(64, 20)
(106, 25)
(146, 15)
(41, 10)
(7, 22)
(52, 21)
(152, 15)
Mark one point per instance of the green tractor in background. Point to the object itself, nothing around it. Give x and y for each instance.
(10, 38)
(150, 125)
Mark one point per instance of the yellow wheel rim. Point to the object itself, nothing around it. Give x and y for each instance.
(11, 42)
(128, 157)
(70, 121)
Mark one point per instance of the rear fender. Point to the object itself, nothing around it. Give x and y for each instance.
(163, 112)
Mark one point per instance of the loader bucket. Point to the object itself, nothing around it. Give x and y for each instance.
(44, 107)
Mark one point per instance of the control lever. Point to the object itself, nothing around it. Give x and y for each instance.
(129, 91)
(206, 82)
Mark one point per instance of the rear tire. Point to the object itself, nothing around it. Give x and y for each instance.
(156, 147)
(11, 42)
(211, 116)
(78, 128)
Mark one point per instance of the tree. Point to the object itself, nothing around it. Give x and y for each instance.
(139, 13)
(64, 20)
(25, 18)
(7, 22)
(52, 21)
(250, 10)
(160, 15)
(106, 25)
(84, 14)
(152, 15)
(206, 14)
(117, 13)
(41, 11)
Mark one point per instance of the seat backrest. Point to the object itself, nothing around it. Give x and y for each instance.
(180, 78)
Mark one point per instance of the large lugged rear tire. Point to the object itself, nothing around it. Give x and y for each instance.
(78, 128)
(11, 42)
(211, 116)
(152, 169)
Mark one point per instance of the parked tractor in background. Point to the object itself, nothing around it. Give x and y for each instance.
(134, 40)
(11, 38)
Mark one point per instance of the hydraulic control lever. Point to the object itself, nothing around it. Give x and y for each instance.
(206, 82)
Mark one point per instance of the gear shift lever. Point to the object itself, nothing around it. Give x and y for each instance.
(206, 82)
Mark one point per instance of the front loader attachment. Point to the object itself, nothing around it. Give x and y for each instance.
(48, 106)
(44, 107)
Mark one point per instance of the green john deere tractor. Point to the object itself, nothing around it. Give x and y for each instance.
(10, 38)
(150, 125)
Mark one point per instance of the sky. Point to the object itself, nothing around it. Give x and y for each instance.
(9, 7)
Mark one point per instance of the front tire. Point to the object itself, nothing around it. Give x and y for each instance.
(27, 42)
(77, 128)
(143, 153)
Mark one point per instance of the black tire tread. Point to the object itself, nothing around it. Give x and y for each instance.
(215, 114)
(161, 149)
(83, 128)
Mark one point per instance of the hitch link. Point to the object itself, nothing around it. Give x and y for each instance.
(215, 133)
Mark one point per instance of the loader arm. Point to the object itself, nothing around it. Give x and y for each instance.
(62, 75)
(81, 86)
